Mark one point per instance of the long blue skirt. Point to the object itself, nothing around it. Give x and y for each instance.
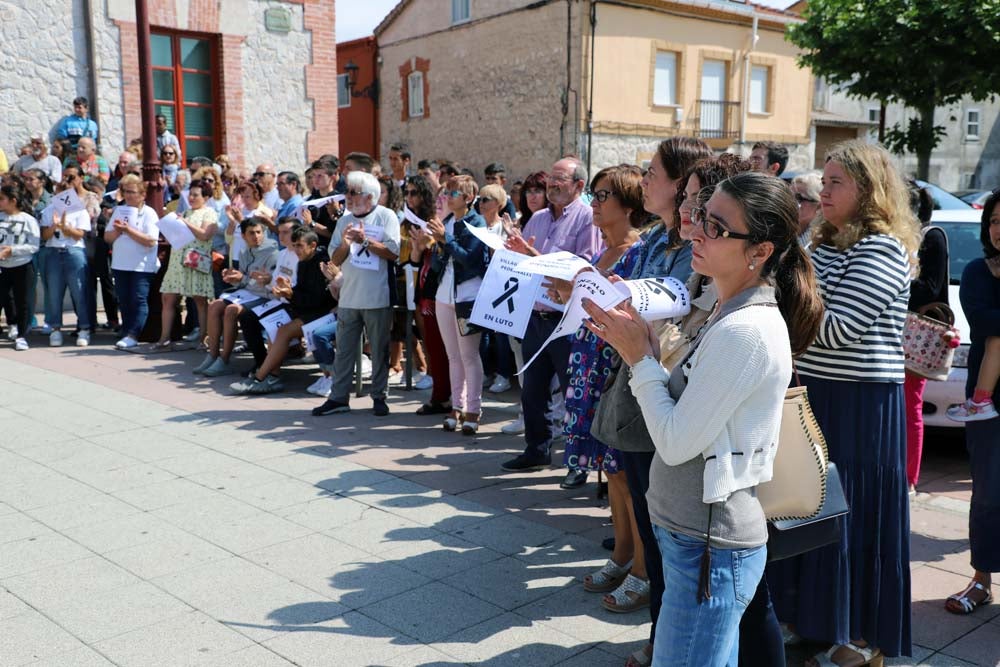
(859, 588)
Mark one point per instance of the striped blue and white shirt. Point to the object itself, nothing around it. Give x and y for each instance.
(865, 289)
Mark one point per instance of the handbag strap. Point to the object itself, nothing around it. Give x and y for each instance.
(705, 571)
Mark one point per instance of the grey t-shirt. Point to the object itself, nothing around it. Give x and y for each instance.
(675, 500)
(365, 288)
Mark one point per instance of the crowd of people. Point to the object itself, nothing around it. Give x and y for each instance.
(811, 278)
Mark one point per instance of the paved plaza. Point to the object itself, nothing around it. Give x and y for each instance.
(148, 518)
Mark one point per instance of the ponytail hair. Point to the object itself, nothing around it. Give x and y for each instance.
(771, 215)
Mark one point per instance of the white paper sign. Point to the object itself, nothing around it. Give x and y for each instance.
(266, 307)
(315, 203)
(587, 285)
(112, 193)
(175, 231)
(492, 241)
(309, 329)
(564, 265)
(658, 298)
(412, 217)
(67, 201)
(239, 297)
(127, 214)
(507, 295)
(238, 245)
(272, 321)
(364, 258)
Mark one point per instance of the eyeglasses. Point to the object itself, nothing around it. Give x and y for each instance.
(354, 193)
(713, 229)
(556, 178)
(169, 153)
(412, 193)
(601, 195)
(800, 200)
(209, 180)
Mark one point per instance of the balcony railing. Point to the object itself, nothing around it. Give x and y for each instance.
(718, 119)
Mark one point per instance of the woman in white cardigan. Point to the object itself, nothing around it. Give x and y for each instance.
(715, 418)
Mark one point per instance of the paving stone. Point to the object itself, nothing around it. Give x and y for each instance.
(265, 614)
(595, 657)
(69, 582)
(508, 534)
(246, 533)
(425, 656)
(577, 613)
(438, 557)
(207, 510)
(11, 605)
(325, 513)
(81, 657)
(253, 656)
(50, 490)
(509, 583)
(96, 507)
(432, 612)
(510, 640)
(355, 639)
(30, 636)
(146, 445)
(212, 583)
(15, 527)
(278, 494)
(38, 553)
(156, 559)
(377, 530)
(173, 491)
(189, 639)
(238, 475)
(979, 647)
(124, 532)
(191, 464)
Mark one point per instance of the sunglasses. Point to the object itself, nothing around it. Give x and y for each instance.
(714, 229)
(258, 174)
(412, 193)
(804, 200)
(456, 193)
(485, 200)
(169, 153)
(354, 193)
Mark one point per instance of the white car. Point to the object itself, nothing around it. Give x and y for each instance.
(962, 228)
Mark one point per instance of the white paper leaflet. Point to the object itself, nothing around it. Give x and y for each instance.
(239, 297)
(564, 265)
(413, 218)
(491, 240)
(175, 231)
(364, 258)
(67, 201)
(507, 295)
(272, 321)
(315, 203)
(320, 323)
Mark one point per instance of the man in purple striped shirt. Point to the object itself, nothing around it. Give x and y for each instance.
(567, 224)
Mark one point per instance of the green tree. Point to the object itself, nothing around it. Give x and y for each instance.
(920, 53)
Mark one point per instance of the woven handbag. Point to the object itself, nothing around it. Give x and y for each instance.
(926, 337)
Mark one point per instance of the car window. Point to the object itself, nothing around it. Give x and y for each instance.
(963, 246)
(943, 200)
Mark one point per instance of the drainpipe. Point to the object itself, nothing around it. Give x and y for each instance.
(569, 64)
(746, 82)
(88, 35)
(590, 105)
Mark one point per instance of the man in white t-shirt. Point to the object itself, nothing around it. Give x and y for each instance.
(39, 158)
(365, 244)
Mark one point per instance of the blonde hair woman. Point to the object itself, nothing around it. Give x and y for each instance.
(856, 593)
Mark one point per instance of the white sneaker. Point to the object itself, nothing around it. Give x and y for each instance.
(425, 382)
(12, 333)
(516, 427)
(194, 336)
(20, 345)
(127, 343)
(83, 339)
(366, 368)
(42, 330)
(397, 377)
(320, 387)
(500, 385)
(55, 339)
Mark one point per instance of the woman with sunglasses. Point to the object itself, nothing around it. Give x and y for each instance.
(170, 162)
(66, 265)
(855, 594)
(461, 259)
(806, 188)
(19, 241)
(217, 201)
(707, 519)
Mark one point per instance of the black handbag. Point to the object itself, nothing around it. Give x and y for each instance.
(463, 311)
(618, 420)
(793, 537)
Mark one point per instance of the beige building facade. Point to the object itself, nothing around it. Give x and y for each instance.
(478, 81)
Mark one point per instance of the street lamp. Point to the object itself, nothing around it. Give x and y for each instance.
(370, 91)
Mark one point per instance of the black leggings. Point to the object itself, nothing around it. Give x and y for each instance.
(14, 284)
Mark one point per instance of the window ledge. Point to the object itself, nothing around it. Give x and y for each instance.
(759, 114)
(665, 107)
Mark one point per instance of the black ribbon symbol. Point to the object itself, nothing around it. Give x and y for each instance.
(656, 287)
(510, 288)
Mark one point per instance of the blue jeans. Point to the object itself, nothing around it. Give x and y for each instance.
(324, 342)
(132, 288)
(705, 634)
(65, 268)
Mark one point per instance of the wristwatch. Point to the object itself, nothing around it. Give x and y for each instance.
(365, 244)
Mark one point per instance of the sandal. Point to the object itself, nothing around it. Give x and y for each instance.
(432, 408)
(963, 604)
(632, 595)
(470, 426)
(452, 421)
(608, 578)
(872, 657)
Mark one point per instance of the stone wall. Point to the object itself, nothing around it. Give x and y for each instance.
(43, 66)
(277, 113)
(491, 97)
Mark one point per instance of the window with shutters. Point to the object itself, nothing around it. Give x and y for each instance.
(186, 89)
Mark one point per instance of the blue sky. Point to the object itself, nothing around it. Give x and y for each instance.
(358, 18)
